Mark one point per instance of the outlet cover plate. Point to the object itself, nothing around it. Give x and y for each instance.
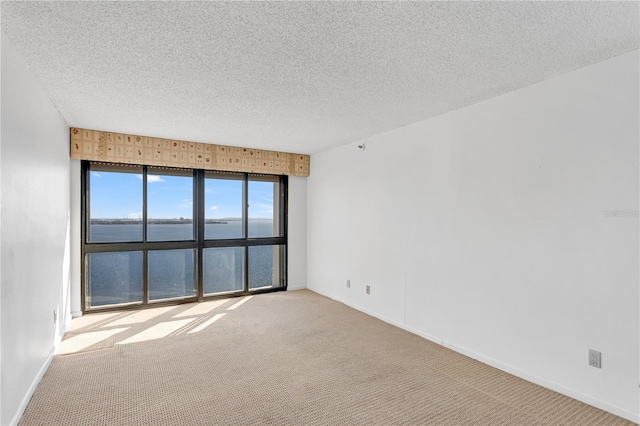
(595, 358)
(368, 290)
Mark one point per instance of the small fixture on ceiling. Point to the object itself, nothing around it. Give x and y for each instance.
(362, 146)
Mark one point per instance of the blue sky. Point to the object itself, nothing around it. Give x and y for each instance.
(119, 195)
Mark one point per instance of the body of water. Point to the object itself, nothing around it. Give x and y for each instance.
(118, 277)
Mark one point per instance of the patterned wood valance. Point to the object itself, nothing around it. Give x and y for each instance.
(110, 147)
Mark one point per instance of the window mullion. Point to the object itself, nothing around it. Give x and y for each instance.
(84, 232)
(199, 212)
(145, 252)
(144, 204)
(284, 220)
(245, 230)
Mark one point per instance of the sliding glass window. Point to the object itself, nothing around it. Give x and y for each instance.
(154, 234)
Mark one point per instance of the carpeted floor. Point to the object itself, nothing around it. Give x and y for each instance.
(286, 358)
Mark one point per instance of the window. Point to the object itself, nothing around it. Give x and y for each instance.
(115, 277)
(264, 193)
(155, 234)
(116, 204)
(223, 194)
(171, 273)
(169, 205)
(223, 269)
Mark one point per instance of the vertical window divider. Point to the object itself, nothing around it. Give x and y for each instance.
(284, 226)
(84, 224)
(199, 212)
(245, 230)
(144, 204)
(145, 276)
(145, 252)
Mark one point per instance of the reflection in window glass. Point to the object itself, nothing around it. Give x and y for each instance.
(223, 269)
(169, 205)
(171, 274)
(223, 208)
(115, 204)
(115, 278)
(264, 196)
(264, 266)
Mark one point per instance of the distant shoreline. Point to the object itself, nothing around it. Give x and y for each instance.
(180, 221)
(156, 221)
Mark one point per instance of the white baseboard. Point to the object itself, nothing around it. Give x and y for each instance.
(296, 287)
(41, 372)
(32, 388)
(424, 335)
(67, 323)
(549, 384)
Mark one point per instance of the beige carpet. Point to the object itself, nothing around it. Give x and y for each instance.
(287, 358)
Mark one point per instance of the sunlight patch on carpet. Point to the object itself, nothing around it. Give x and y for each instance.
(158, 331)
(237, 304)
(201, 308)
(89, 320)
(138, 317)
(83, 341)
(207, 323)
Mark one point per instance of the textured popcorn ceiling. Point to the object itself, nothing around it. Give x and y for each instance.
(299, 77)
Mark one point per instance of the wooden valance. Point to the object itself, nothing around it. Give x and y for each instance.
(111, 147)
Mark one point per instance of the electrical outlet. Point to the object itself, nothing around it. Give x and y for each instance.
(348, 283)
(595, 358)
(368, 289)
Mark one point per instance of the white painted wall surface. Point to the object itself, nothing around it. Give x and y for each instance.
(297, 229)
(76, 236)
(35, 233)
(485, 229)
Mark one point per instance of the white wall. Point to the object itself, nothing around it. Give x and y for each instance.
(76, 237)
(484, 229)
(297, 229)
(35, 233)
